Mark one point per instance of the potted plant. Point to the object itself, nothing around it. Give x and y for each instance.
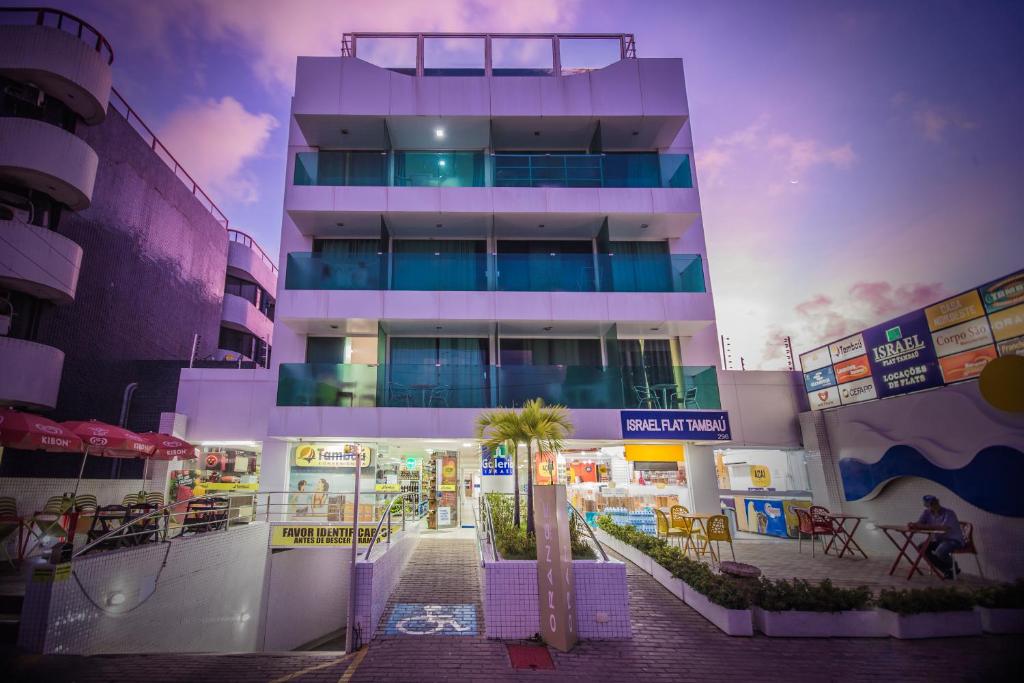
(1001, 608)
(799, 609)
(929, 613)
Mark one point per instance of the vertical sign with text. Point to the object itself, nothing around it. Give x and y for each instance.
(555, 584)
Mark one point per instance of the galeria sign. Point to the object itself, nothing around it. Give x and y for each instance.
(556, 588)
(683, 425)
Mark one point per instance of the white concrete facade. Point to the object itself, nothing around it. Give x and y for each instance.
(48, 159)
(30, 373)
(38, 261)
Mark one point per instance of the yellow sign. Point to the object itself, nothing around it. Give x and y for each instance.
(221, 486)
(643, 452)
(321, 536)
(330, 455)
(446, 487)
(388, 488)
(956, 310)
(1007, 323)
(760, 476)
(1001, 381)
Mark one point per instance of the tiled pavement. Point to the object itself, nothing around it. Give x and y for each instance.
(671, 643)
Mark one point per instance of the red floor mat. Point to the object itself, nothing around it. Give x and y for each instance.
(530, 657)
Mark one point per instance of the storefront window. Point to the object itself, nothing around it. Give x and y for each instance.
(224, 469)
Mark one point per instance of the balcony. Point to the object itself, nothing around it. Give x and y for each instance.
(452, 386)
(49, 159)
(61, 54)
(248, 261)
(240, 314)
(475, 169)
(555, 272)
(31, 373)
(39, 262)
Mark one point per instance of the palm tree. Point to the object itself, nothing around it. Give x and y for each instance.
(537, 423)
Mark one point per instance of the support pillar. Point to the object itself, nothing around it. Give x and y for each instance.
(274, 469)
(702, 480)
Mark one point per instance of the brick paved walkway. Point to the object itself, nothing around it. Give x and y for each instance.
(671, 643)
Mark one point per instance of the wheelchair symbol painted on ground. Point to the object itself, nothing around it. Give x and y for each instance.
(411, 619)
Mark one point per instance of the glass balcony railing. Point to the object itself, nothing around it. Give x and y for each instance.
(469, 386)
(555, 272)
(476, 169)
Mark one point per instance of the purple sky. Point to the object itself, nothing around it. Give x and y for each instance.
(856, 159)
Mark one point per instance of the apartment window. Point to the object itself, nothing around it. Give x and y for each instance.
(341, 167)
(585, 352)
(325, 350)
(23, 205)
(245, 344)
(20, 314)
(25, 101)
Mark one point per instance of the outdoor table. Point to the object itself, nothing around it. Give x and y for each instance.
(893, 532)
(663, 390)
(423, 389)
(845, 535)
(701, 521)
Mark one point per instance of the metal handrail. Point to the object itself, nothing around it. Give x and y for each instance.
(235, 235)
(572, 507)
(489, 528)
(387, 516)
(166, 512)
(100, 44)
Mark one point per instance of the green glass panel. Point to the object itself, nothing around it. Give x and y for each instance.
(545, 272)
(439, 169)
(334, 271)
(327, 384)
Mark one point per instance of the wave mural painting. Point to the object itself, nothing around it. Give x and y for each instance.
(990, 481)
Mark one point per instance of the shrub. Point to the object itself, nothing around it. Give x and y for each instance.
(515, 544)
(798, 594)
(922, 600)
(1003, 596)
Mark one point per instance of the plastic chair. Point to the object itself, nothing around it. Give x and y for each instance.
(690, 398)
(10, 522)
(130, 499)
(823, 524)
(717, 527)
(967, 529)
(86, 502)
(399, 394)
(143, 531)
(155, 498)
(806, 526)
(666, 530)
(440, 394)
(57, 505)
(645, 397)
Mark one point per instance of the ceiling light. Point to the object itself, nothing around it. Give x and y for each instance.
(439, 133)
(467, 445)
(636, 132)
(440, 162)
(536, 132)
(540, 225)
(548, 328)
(794, 181)
(438, 225)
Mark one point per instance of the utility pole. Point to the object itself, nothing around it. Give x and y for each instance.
(743, 363)
(726, 352)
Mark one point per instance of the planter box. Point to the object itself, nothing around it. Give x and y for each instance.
(799, 624)
(733, 622)
(665, 578)
(995, 620)
(932, 624)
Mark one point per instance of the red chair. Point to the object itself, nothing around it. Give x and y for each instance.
(967, 529)
(806, 524)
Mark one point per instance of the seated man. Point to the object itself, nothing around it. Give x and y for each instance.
(941, 545)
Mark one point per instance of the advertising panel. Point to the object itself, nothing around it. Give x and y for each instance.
(330, 455)
(322, 536)
(1012, 347)
(853, 369)
(855, 392)
(820, 379)
(496, 463)
(962, 337)
(1003, 293)
(967, 306)
(966, 365)
(851, 347)
(824, 398)
(1007, 323)
(812, 360)
(766, 517)
(902, 357)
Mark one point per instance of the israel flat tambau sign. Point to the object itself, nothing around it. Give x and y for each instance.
(680, 425)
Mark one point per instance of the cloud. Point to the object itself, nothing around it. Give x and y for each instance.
(822, 318)
(213, 140)
(931, 120)
(270, 34)
(760, 154)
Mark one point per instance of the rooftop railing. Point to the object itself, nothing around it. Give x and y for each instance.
(55, 18)
(626, 50)
(247, 240)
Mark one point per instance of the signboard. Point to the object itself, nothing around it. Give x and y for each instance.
(329, 455)
(555, 582)
(321, 535)
(494, 464)
(760, 476)
(679, 425)
(388, 488)
(949, 341)
(410, 463)
(444, 516)
(637, 452)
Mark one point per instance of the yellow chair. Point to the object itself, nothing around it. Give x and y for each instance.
(683, 523)
(666, 531)
(718, 531)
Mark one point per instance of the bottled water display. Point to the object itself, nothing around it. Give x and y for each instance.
(642, 521)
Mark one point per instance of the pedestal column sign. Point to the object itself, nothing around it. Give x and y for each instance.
(555, 586)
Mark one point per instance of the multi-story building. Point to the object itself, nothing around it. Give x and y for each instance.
(114, 264)
(457, 239)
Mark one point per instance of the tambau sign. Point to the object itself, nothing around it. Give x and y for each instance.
(555, 584)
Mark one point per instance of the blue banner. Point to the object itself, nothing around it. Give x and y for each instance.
(821, 378)
(902, 356)
(494, 464)
(679, 425)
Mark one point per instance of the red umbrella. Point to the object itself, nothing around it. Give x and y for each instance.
(107, 440)
(34, 433)
(168, 447)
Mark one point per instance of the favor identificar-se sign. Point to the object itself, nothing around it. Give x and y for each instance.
(322, 535)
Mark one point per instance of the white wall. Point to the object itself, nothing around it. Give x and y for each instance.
(763, 407)
(307, 596)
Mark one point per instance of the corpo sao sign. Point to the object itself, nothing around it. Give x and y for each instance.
(679, 425)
